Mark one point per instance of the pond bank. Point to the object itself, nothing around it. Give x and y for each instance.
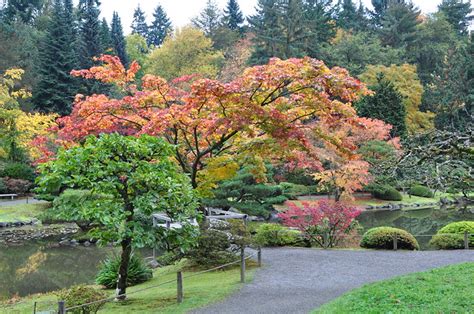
(19, 235)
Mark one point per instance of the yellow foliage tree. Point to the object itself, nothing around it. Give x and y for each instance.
(18, 128)
(186, 52)
(405, 79)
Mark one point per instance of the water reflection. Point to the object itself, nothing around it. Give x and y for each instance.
(421, 222)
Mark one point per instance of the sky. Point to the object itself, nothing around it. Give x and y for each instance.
(182, 11)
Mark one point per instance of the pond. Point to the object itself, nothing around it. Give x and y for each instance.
(44, 266)
(420, 222)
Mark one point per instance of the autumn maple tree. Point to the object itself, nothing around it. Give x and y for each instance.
(323, 222)
(297, 110)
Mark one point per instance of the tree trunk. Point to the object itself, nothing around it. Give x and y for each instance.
(123, 270)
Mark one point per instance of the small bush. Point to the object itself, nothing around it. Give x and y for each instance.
(81, 295)
(275, 235)
(451, 236)
(138, 272)
(422, 191)
(3, 186)
(292, 191)
(384, 192)
(168, 258)
(382, 238)
(213, 249)
(17, 170)
(17, 186)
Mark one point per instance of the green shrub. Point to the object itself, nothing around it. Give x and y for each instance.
(3, 186)
(275, 235)
(422, 191)
(138, 272)
(384, 192)
(168, 258)
(17, 170)
(213, 249)
(81, 295)
(292, 191)
(451, 236)
(17, 186)
(382, 238)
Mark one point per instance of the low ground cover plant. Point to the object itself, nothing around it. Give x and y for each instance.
(382, 238)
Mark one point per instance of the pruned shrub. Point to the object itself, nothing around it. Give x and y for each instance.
(138, 272)
(18, 170)
(275, 235)
(213, 249)
(81, 295)
(292, 191)
(17, 186)
(420, 190)
(384, 192)
(382, 238)
(451, 236)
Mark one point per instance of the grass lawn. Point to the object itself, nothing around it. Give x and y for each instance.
(21, 212)
(443, 290)
(199, 291)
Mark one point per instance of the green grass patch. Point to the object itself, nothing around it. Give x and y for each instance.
(21, 212)
(199, 291)
(443, 290)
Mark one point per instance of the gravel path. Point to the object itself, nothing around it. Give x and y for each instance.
(19, 201)
(295, 280)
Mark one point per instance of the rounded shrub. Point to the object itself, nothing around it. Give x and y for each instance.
(138, 272)
(81, 295)
(3, 186)
(382, 238)
(213, 249)
(275, 235)
(18, 170)
(385, 192)
(420, 190)
(451, 236)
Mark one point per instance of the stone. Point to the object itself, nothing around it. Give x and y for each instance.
(87, 243)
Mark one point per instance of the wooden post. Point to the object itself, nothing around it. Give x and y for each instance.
(259, 256)
(61, 307)
(326, 240)
(395, 242)
(180, 287)
(466, 240)
(34, 307)
(242, 264)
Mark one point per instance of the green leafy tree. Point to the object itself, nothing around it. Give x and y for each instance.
(160, 28)
(233, 16)
(138, 178)
(399, 24)
(56, 89)
(356, 51)
(139, 25)
(458, 13)
(188, 52)
(386, 105)
(137, 50)
(118, 39)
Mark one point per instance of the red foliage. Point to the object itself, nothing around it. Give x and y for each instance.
(320, 219)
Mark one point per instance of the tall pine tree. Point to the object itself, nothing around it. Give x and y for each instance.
(105, 37)
(56, 88)
(118, 39)
(266, 26)
(347, 15)
(139, 25)
(209, 20)
(320, 25)
(399, 24)
(233, 17)
(386, 105)
(458, 13)
(160, 27)
(89, 33)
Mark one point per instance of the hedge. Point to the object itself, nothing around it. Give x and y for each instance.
(382, 238)
(451, 236)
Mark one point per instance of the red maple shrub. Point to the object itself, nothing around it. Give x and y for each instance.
(324, 222)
